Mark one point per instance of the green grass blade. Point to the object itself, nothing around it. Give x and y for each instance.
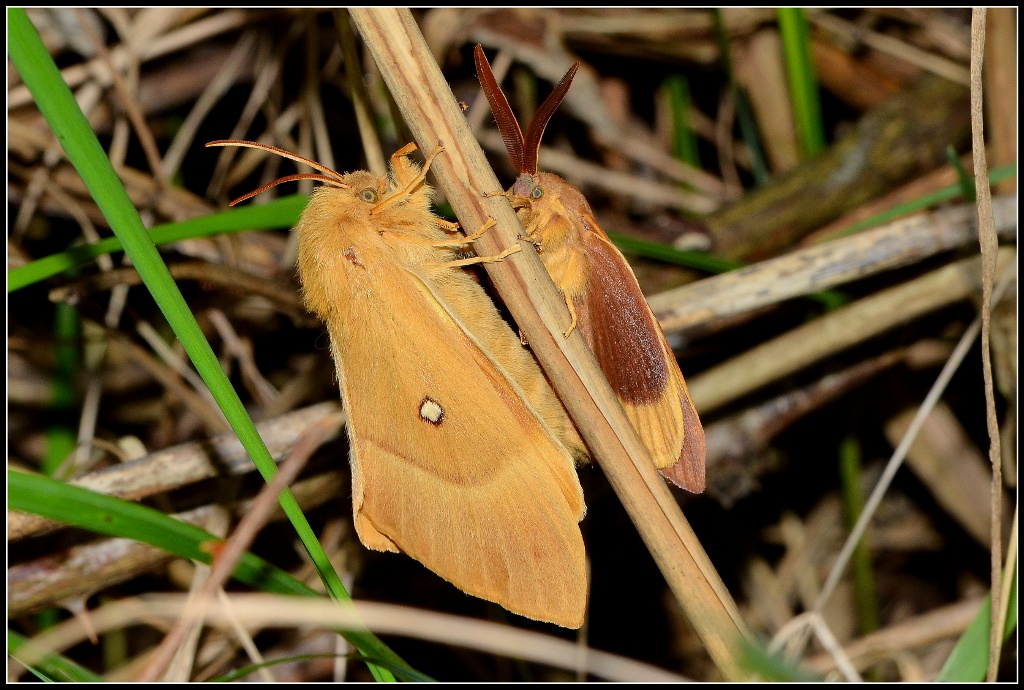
(744, 112)
(851, 474)
(401, 672)
(65, 118)
(700, 261)
(684, 140)
(966, 181)
(73, 505)
(755, 659)
(61, 436)
(953, 191)
(52, 667)
(968, 663)
(280, 213)
(748, 132)
(803, 85)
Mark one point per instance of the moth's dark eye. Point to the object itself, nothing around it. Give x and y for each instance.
(368, 195)
(536, 193)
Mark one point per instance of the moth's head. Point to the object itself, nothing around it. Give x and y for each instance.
(365, 189)
(546, 193)
(526, 189)
(356, 193)
(522, 151)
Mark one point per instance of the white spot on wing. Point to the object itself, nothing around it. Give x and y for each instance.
(431, 411)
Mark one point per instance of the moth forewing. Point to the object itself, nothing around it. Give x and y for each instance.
(455, 467)
(454, 447)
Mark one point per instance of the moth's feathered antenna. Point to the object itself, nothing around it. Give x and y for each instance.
(540, 120)
(508, 125)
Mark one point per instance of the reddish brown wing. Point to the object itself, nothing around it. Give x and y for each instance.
(619, 326)
(630, 347)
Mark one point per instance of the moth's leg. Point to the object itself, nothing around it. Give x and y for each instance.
(407, 149)
(483, 259)
(412, 184)
(447, 225)
(402, 167)
(469, 238)
(572, 313)
(572, 268)
(423, 171)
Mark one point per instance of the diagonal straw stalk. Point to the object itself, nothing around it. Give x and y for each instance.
(462, 172)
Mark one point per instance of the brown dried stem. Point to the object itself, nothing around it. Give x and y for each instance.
(837, 330)
(235, 546)
(433, 115)
(938, 624)
(228, 278)
(821, 267)
(183, 464)
(989, 245)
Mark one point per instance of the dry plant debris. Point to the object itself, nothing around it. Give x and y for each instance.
(102, 396)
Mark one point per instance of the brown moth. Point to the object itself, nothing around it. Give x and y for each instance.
(461, 455)
(602, 294)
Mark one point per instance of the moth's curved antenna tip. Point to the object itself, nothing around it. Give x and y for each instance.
(228, 142)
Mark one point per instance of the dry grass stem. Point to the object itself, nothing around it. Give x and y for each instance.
(128, 102)
(738, 444)
(1000, 76)
(590, 174)
(79, 571)
(900, 453)
(99, 398)
(167, 374)
(644, 153)
(230, 551)
(759, 67)
(723, 139)
(175, 360)
(899, 49)
(265, 610)
(76, 75)
(949, 464)
(227, 75)
(183, 464)
(838, 330)
(245, 638)
(260, 389)
(945, 622)
(812, 621)
(267, 77)
(360, 100)
(989, 245)
(322, 150)
(228, 278)
(913, 190)
(825, 266)
(464, 176)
